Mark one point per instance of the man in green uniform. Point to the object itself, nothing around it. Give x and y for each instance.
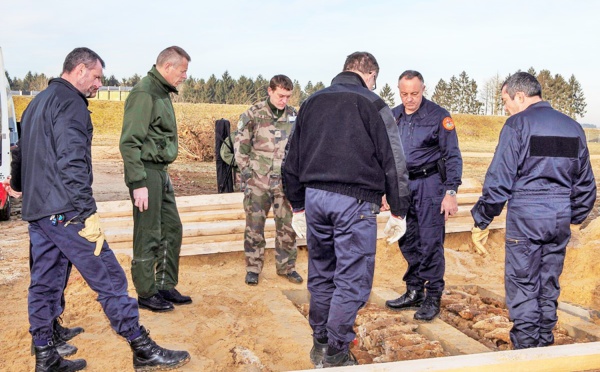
(262, 135)
(148, 145)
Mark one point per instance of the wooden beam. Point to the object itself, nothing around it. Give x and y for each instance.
(216, 223)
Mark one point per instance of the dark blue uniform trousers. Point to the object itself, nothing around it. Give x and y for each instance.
(537, 233)
(52, 249)
(423, 244)
(341, 238)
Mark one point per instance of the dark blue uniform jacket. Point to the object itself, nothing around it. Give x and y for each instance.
(540, 152)
(425, 141)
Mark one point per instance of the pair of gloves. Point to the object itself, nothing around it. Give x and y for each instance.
(394, 229)
(92, 232)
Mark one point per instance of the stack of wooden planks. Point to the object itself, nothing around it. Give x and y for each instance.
(215, 223)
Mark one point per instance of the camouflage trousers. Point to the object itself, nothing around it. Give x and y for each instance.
(260, 194)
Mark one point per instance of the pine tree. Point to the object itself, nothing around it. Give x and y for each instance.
(387, 95)
(441, 94)
(577, 99)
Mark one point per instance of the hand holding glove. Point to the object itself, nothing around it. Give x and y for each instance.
(479, 238)
(93, 232)
(299, 224)
(395, 228)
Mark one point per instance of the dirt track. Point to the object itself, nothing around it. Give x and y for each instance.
(228, 318)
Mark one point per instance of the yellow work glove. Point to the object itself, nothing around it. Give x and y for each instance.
(93, 232)
(479, 238)
(299, 224)
(395, 228)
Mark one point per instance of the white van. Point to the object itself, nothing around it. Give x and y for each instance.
(8, 137)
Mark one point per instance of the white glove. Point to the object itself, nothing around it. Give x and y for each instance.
(395, 228)
(299, 224)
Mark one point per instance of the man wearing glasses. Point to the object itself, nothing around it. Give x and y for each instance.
(344, 155)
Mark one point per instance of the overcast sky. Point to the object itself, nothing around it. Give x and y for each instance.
(310, 39)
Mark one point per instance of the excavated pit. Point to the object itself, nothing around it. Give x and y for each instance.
(477, 313)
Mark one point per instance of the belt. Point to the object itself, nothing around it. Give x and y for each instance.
(423, 172)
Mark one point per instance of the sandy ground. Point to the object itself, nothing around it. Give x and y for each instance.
(231, 326)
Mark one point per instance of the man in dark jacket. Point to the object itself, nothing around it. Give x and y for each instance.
(56, 181)
(542, 168)
(148, 145)
(434, 169)
(344, 154)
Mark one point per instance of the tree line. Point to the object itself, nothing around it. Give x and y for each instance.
(459, 95)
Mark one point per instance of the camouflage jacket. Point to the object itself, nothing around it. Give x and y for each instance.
(261, 139)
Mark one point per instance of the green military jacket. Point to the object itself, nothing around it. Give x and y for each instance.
(149, 133)
(261, 139)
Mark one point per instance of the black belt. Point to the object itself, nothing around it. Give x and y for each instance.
(423, 172)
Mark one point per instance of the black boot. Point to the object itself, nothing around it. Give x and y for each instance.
(344, 358)
(65, 333)
(62, 347)
(148, 356)
(410, 300)
(172, 295)
(155, 303)
(48, 360)
(429, 309)
(317, 353)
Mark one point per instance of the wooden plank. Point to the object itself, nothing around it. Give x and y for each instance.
(574, 357)
(216, 223)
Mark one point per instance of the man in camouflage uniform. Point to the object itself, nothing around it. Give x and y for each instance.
(262, 135)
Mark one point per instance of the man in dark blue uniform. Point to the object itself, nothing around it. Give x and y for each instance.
(542, 168)
(344, 154)
(53, 170)
(435, 169)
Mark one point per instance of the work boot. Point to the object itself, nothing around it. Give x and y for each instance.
(63, 348)
(251, 278)
(173, 295)
(412, 299)
(155, 303)
(344, 358)
(65, 333)
(429, 309)
(317, 353)
(48, 360)
(293, 277)
(148, 356)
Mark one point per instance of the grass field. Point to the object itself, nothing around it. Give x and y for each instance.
(476, 133)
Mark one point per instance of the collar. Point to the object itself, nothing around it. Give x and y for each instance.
(70, 86)
(161, 80)
(421, 112)
(349, 77)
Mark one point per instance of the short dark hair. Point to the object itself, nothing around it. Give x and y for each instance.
(281, 81)
(364, 62)
(81, 55)
(411, 74)
(522, 82)
(172, 54)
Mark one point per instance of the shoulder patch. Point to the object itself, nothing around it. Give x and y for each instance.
(448, 123)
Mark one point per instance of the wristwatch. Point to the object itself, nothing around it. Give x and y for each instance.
(451, 192)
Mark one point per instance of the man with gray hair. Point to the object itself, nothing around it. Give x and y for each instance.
(148, 145)
(542, 168)
(53, 170)
(434, 166)
(344, 155)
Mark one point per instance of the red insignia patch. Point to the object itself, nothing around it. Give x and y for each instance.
(448, 123)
